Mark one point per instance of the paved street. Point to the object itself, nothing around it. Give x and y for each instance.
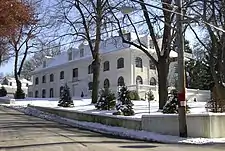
(20, 132)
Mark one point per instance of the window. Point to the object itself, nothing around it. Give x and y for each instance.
(90, 85)
(51, 77)
(51, 93)
(90, 70)
(36, 94)
(36, 81)
(151, 45)
(81, 52)
(43, 93)
(75, 75)
(151, 65)
(61, 90)
(10, 83)
(120, 63)
(106, 83)
(138, 62)
(44, 64)
(43, 79)
(27, 84)
(106, 66)
(139, 80)
(70, 55)
(152, 81)
(30, 94)
(120, 81)
(62, 75)
(75, 72)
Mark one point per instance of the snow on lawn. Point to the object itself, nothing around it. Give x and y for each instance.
(117, 131)
(84, 105)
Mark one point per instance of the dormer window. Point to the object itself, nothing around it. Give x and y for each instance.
(81, 52)
(70, 55)
(44, 64)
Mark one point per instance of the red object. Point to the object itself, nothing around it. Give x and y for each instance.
(181, 96)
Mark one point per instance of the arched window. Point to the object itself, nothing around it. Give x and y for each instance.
(90, 70)
(36, 81)
(106, 83)
(151, 65)
(106, 66)
(51, 77)
(120, 81)
(62, 75)
(139, 80)
(90, 85)
(138, 62)
(61, 90)
(152, 81)
(43, 93)
(43, 79)
(120, 63)
(51, 93)
(36, 94)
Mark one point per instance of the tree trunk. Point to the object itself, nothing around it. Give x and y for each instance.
(96, 71)
(18, 83)
(162, 69)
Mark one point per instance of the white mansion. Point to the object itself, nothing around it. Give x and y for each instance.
(120, 64)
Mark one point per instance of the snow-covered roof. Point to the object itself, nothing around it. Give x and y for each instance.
(11, 79)
(108, 45)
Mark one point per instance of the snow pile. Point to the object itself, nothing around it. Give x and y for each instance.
(117, 131)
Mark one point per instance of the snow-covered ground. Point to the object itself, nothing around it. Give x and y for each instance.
(84, 105)
(117, 131)
(140, 107)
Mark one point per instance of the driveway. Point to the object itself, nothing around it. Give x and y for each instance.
(20, 132)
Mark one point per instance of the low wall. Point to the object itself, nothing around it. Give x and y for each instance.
(191, 94)
(131, 123)
(211, 125)
(6, 100)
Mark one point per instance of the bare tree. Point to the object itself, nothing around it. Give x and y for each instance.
(87, 20)
(159, 21)
(211, 20)
(21, 43)
(36, 60)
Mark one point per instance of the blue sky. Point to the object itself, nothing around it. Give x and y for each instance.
(8, 68)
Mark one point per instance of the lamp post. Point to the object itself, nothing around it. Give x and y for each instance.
(181, 72)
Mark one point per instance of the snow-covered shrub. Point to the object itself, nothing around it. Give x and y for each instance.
(134, 95)
(65, 99)
(150, 95)
(171, 105)
(3, 92)
(125, 105)
(107, 100)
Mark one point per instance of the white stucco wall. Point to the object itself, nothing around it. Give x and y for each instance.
(83, 77)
